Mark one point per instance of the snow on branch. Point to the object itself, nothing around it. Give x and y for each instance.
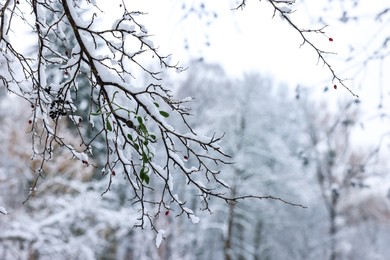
(3, 211)
(283, 8)
(82, 57)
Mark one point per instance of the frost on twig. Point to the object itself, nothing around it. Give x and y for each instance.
(81, 56)
(83, 71)
(283, 8)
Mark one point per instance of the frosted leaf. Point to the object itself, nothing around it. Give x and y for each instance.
(125, 158)
(177, 198)
(224, 183)
(194, 219)
(285, 9)
(42, 74)
(76, 119)
(127, 26)
(200, 184)
(191, 215)
(55, 60)
(159, 237)
(187, 99)
(149, 43)
(143, 29)
(170, 183)
(3, 211)
(80, 156)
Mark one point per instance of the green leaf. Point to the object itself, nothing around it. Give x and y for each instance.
(108, 125)
(136, 146)
(156, 104)
(153, 137)
(143, 128)
(144, 176)
(130, 137)
(139, 120)
(97, 113)
(164, 114)
(146, 179)
(145, 158)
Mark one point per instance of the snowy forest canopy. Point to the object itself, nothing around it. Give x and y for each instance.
(282, 144)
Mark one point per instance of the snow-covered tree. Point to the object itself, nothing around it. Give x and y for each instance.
(274, 155)
(103, 53)
(344, 171)
(265, 155)
(71, 48)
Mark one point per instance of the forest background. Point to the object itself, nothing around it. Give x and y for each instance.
(304, 130)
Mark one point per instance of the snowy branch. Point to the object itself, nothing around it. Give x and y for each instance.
(284, 10)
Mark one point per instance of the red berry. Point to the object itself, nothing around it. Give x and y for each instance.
(330, 39)
(185, 157)
(166, 213)
(30, 121)
(335, 86)
(113, 173)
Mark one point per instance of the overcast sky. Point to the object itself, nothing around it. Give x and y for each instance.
(253, 40)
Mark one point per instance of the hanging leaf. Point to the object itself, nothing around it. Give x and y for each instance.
(145, 158)
(97, 113)
(144, 176)
(146, 179)
(164, 114)
(108, 125)
(143, 128)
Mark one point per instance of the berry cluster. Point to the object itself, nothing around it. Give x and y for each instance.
(57, 108)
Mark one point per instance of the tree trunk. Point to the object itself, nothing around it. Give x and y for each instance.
(333, 226)
(229, 236)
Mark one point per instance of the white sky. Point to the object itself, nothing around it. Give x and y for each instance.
(247, 40)
(251, 40)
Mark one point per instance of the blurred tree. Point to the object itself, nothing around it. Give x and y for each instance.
(273, 154)
(262, 134)
(341, 168)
